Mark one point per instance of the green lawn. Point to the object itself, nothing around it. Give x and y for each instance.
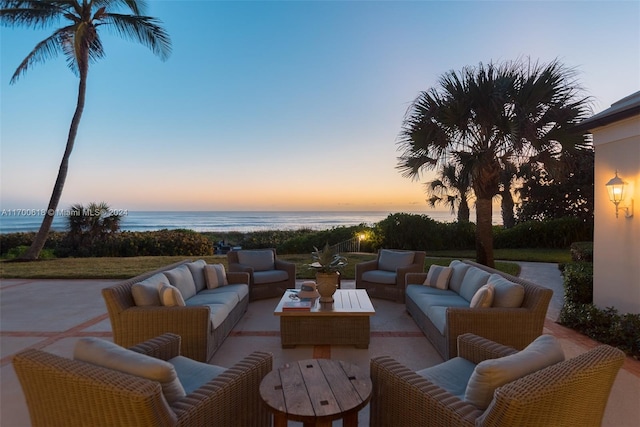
(123, 267)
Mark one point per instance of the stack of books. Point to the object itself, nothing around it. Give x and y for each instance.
(299, 305)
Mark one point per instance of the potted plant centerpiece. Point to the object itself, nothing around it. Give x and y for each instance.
(327, 264)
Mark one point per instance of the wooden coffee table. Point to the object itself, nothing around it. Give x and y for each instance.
(316, 392)
(343, 322)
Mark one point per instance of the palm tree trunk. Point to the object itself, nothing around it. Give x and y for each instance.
(484, 232)
(508, 217)
(463, 209)
(43, 233)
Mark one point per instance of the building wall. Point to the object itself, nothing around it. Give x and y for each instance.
(616, 275)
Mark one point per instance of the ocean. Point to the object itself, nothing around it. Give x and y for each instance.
(21, 220)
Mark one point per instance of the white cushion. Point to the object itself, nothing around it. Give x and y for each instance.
(145, 293)
(438, 277)
(488, 375)
(170, 296)
(215, 275)
(392, 260)
(197, 271)
(259, 260)
(181, 278)
(507, 294)
(483, 297)
(109, 355)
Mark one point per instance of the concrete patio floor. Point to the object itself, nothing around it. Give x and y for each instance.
(52, 314)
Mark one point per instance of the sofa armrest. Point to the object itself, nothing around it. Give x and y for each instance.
(402, 272)
(232, 398)
(475, 348)
(398, 391)
(414, 279)
(237, 277)
(165, 346)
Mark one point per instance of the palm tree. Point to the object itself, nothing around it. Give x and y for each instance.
(78, 40)
(452, 179)
(90, 225)
(484, 114)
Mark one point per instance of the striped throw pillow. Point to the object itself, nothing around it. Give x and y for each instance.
(438, 277)
(215, 275)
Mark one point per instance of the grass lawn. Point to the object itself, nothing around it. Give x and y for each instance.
(125, 267)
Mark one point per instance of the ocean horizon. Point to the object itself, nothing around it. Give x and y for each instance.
(25, 220)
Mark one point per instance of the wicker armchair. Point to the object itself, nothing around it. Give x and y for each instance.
(264, 283)
(380, 281)
(65, 392)
(570, 393)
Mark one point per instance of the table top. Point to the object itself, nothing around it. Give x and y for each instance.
(308, 390)
(347, 302)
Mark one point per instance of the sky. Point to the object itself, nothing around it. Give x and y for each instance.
(274, 105)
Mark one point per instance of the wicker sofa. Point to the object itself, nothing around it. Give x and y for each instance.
(443, 314)
(205, 320)
(71, 392)
(572, 392)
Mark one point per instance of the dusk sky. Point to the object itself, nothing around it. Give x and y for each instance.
(279, 105)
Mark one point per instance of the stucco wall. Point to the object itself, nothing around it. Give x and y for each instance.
(616, 277)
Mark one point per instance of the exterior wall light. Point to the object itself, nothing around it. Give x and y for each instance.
(616, 188)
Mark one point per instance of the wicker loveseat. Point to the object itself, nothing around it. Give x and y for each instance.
(70, 392)
(203, 322)
(443, 314)
(571, 392)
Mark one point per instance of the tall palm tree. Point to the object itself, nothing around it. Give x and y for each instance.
(79, 41)
(485, 113)
(452, 179)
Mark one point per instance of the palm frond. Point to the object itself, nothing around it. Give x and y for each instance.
(144, 29)
(46, 49)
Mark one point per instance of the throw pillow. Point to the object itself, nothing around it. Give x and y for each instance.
(488, 375)
(392, 260)
(145, 293)
(181, 278)
(507, 293)
(483, 298)
(215, 275)
(170, 296)
(109, 355)
(259, 260)
(438, 277)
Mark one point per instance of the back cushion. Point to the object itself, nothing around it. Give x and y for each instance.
(215, 276)
(260, 260)
(181, 278)
(197, 271)
(473, 280)
(507, 294)
(109, 355)
(459, 270)
(493, 373)
(392, 260)
(146, 293)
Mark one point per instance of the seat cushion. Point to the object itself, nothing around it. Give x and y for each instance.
(473, 280)
(380, 276)
(229, 299)
(392, 260)
(181, 278)
(109, 355)
(238, 289)
(413, 291)
(218, 314)
(193, 374)
(259, 260)
(488, 375)
(215, 276)
(146, 292)
(270, 276)
(451, 375)
(507, 294)
(197, 271)
(438, 277)
(457, 275)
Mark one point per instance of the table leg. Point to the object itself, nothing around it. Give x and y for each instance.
(279, 420)
(350, 420)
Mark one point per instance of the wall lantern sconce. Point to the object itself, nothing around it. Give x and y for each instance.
(616, 188)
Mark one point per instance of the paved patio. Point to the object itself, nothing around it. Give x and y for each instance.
(52, 314)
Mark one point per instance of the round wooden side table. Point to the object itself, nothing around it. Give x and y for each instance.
(316, 392)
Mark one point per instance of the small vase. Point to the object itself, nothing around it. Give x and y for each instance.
(327, 285)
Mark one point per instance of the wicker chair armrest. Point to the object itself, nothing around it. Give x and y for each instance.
(165, 346)
(365, 266)
(475, 348)
(289, 267)
(403, 398)
(103, 396)
(238, 277)
(232, 398)
(401, 273)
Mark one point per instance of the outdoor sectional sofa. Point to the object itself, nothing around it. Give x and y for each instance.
(448, 303)
(147, 306)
